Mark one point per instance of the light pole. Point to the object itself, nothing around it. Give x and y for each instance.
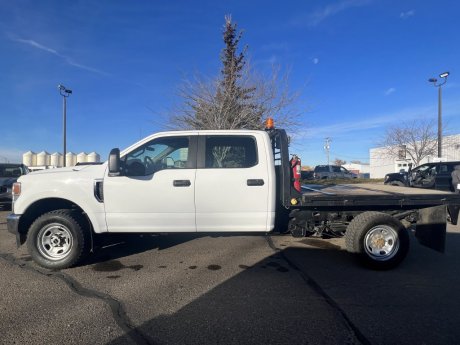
(439, 86)
(327, 147)
(64, 93)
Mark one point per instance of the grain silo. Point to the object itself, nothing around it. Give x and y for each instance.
(93, 157)
(82, 157)
(29, 159)
(43, 158)
(56, 160)
(70, 159)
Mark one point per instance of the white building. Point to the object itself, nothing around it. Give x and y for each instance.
(381, 164)
(361, 169)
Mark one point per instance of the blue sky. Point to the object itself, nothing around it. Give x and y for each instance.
(360, 65)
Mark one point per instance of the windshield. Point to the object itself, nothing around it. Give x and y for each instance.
(12, 170)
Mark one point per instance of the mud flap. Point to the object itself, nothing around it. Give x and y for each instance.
(453, 211)
(431, 227)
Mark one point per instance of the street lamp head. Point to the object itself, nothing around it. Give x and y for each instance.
(64, 91)
(444, 75)
(432, 80)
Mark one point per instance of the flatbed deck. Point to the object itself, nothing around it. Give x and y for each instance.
(368, 196)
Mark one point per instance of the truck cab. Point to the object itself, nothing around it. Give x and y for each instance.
(192, 181)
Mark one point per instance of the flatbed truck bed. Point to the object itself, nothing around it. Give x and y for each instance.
(372, 197)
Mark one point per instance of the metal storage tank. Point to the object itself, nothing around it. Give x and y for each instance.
(56, 159)
(43, 158)
(93, 157)
(29, 159)
(70, 159)
(82, 157)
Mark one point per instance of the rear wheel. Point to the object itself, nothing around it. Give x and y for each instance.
(380, 240)
(58, 239)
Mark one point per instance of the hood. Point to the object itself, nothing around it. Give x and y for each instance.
(397, 174)
(64, 173)
(67, 169)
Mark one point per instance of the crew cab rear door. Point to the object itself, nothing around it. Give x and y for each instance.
(233, 183)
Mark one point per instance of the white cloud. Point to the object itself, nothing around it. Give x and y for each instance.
(323, 13)
(372, 122)
(407, 14)
(67, 59)
(390, 91)
(315, 61)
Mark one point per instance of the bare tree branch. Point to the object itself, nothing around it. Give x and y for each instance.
(415, 140)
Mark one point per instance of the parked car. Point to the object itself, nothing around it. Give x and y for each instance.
(332, 171)
(435, 175)
(306, 175)
(9, 174)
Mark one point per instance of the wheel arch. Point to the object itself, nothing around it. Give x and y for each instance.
(46, 205)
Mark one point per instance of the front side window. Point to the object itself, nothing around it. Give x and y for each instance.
(230, 152)
(156, 155)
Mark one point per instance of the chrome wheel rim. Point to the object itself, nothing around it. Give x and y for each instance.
(54, 241)
(381, 242)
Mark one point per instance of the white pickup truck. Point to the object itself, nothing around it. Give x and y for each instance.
(214, 181)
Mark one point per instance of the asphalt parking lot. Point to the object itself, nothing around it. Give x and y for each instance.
(221, 289)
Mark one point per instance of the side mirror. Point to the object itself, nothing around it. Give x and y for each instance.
(114, 162)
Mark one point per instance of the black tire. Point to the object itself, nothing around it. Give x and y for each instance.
(380, 240)
(58, 239)
(396, 183)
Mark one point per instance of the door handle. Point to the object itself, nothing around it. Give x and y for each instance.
(181, 183)
(255, 182)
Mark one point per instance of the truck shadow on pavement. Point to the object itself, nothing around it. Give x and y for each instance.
(121, 245)
(117, 246)
(304, 295)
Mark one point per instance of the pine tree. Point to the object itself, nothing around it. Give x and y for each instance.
(238, 98)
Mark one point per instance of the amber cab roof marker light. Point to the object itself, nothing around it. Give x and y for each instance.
(269, 123)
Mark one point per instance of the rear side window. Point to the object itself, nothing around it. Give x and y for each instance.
(335, 169)
(322, 168)
(230, 152)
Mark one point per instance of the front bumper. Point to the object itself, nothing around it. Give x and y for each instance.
(12, 222)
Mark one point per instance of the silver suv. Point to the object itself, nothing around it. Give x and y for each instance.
(332, 172)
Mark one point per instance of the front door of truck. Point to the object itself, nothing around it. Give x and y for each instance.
(233, 186)
(156, 189)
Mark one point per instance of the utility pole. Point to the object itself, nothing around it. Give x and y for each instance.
(439, 86)
(64, 93)
(327, 147)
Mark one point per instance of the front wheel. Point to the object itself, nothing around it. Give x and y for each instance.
(381, 241)
(58, 240)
